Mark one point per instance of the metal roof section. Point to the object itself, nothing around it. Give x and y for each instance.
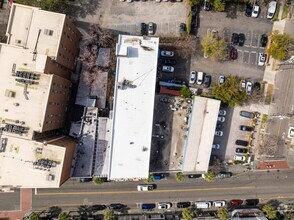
(201, 134)
(133, 107)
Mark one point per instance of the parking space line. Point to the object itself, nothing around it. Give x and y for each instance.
(240, 52)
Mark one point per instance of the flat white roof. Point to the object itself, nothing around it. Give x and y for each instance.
(201, 134)
(133, 107)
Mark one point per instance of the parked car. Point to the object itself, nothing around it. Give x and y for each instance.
(213, 157)
(247, 114)
(158, 176)
(96, 208)
(248, 11)
(248, 88)
(219, 203)
(235, 39)
(272, 7)
(241, 39)
(158, 136)
(85, 180)
(221, 79)
(192, 78)
(145, 187)
(241, 150)
(251, 202)
(242, 143)
(255, 11)
(183, 28)
(148, 206)
(168, 69)
(222, 175)
(236, 202)
(215, 146)
(221, 118)
(182, 205)
(222, 112)
(151, 27)
(169, 62)
(239, 158)
(233, 53)
(164, 205)
(291, 132)
(116, 206)
(246, 128)
(261, 59)
(200, 76)
(166, 53)
(207, 81)
(194, 176)
(166, 100)
(243, 84)
(143, 29)
(203, 205)
(263, 40)
(219, 133)
(207, 5)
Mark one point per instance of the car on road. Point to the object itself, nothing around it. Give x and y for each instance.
(148, 206)
(236, 202)
(219, 203)
(241, 37)
(183, 28)
(263, 40)
(207, 81)
(291, 132)
(96, 208)
(85, 180)
(261, 59)
(168, 69)
(242, 143)
(169, 62)
(248, 88)
(219, 133)
(223, 175)
(146, 187)
(233, 53)
(200, 76)
(116, 206)
(255, 11)
(219, 126)
(246, 128)
(239, 158)
(221, 118)
(203, 205)
(166, 53)
(248, 11)
(164, 205)
(192, 78)
(143, 29)
(221, 79)
(182, 205)
(251, 202)
(272, 7)
(222, 112)
(215, 146)
(158, 136)
(194, 176)
(151, 28)
(241, 150)
(247, 114)
(235, 39)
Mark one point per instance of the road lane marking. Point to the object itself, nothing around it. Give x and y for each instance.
(137, 192)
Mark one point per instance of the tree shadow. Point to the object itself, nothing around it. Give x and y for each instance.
(54, 211)
(83, 8)
(231, 10)
(275, 203)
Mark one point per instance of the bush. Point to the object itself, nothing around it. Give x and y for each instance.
(223, 213)
(219, 5)
(109, 215)
(185, 92)
(150, 179)
(270, 211)
(188, 214)
(210, 176)
(180, 177)
(63, 216)
(98, 180)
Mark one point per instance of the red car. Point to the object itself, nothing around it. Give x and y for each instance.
(233, 53)
(236, 202)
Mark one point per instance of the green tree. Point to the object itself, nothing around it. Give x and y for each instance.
(34, 216)
(210, 176)
(150, 179)
(180, 177)
(219, 5)
(188, 214)
(109, 215)
(194, 2)
(48, 5)
(270, 211)
(279, 45)
(98, 180)
(185, 92)
(223, 213)
(230, 92)
(214, 47)
(63, 216)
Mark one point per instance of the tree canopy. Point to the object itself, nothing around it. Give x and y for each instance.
(98, 180)
(214, 47)
(180, 177)
(150, 179)
(270, 211)
(188, 214)
(219, 5)
(210, 176)
(230, 92)
(63, 216)
(48, 5)
(194, 2)
(279, 46)
(185, 92)
(109, 215)
(34, 216)
(223, 213)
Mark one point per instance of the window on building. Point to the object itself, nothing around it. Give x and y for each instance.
(48, 32)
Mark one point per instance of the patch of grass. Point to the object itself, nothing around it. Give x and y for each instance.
(276, 15)
(264, 118)
(269, 94)
(286, 10)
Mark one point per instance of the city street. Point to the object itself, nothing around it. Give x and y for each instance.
(263, 185)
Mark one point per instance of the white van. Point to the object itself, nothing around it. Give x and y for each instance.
(200, 76)
(202, 205)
